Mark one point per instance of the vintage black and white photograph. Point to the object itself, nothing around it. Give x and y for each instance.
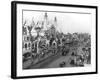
(54, 39)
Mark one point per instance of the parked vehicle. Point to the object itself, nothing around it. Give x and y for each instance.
(62, 64)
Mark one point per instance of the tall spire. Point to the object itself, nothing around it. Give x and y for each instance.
(55, 22)
(55, 19)
(45, 16)
(45, 21)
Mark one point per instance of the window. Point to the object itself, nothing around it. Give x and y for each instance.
(26, 45)
(27, 38)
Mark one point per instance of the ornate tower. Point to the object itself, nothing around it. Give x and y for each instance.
(55, 22)
(45, 21)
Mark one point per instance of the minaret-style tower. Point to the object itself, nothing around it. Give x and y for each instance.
(55, 22)
(45, 21)
(45, 16)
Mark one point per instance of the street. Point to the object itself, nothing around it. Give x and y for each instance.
(52, 62)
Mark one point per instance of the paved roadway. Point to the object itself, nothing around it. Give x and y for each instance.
(52, 62)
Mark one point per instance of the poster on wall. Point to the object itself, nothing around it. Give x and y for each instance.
(50, 39)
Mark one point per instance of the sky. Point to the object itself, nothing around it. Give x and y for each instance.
(66, 22)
